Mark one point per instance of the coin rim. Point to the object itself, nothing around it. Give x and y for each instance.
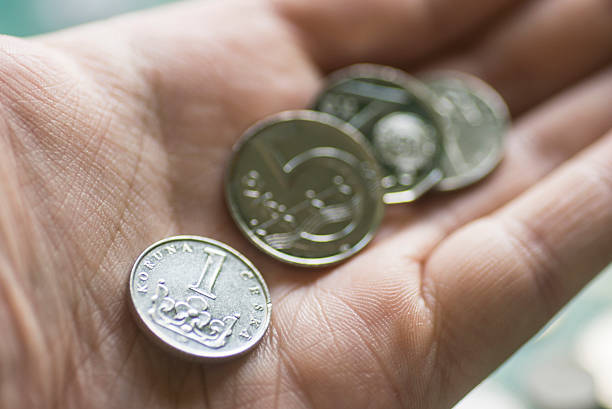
(487, 94)
(312, 116)
(177, 351)
(421, 92)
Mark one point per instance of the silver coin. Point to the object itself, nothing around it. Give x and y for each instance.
(304, 187)
(480, 118)
(199, 298)
(399, 117)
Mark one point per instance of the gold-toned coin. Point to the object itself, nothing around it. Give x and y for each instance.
(400, 119)
(304, 187)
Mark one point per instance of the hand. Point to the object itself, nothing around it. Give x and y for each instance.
(116, 134)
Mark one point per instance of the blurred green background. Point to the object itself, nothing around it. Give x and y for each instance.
(567, 366)
(31, 17)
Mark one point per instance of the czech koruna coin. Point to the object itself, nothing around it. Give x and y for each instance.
(199, 298)
(480, 117)
(304, 187)
(399, 117)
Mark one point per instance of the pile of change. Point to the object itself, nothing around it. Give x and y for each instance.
(309, 187)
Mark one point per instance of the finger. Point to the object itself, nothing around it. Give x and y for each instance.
(541, 48)
(343, 32)
(493, 283)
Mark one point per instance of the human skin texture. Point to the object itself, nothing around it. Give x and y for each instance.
(116, 134)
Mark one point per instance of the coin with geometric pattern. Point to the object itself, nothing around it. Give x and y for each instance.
(304, 187)
(399, 117)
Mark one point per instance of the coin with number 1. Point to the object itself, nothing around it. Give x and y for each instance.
(199, 298)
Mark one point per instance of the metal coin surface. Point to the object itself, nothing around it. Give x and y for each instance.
(399, 117)
(480, 117)
(304, 187)
(199, 298)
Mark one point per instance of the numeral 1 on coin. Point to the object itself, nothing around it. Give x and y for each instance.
(209, 274)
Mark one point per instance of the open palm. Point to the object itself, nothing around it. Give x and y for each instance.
(115, 135)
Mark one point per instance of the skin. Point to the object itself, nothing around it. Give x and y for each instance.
(115, 135)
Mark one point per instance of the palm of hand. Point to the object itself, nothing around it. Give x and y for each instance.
(107, 147)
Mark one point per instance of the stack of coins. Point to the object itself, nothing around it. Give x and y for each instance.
(309, 187)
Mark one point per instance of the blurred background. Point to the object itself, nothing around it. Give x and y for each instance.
(567, 366)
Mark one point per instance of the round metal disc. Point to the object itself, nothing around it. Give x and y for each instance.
(399, 117)
(304, 188)
(199, 298)
(480, 118)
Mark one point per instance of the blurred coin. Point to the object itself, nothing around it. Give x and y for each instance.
(304, 187)
(594, 353)
(480, 118)
(561, 384)
(199, 298)
(399, 117)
